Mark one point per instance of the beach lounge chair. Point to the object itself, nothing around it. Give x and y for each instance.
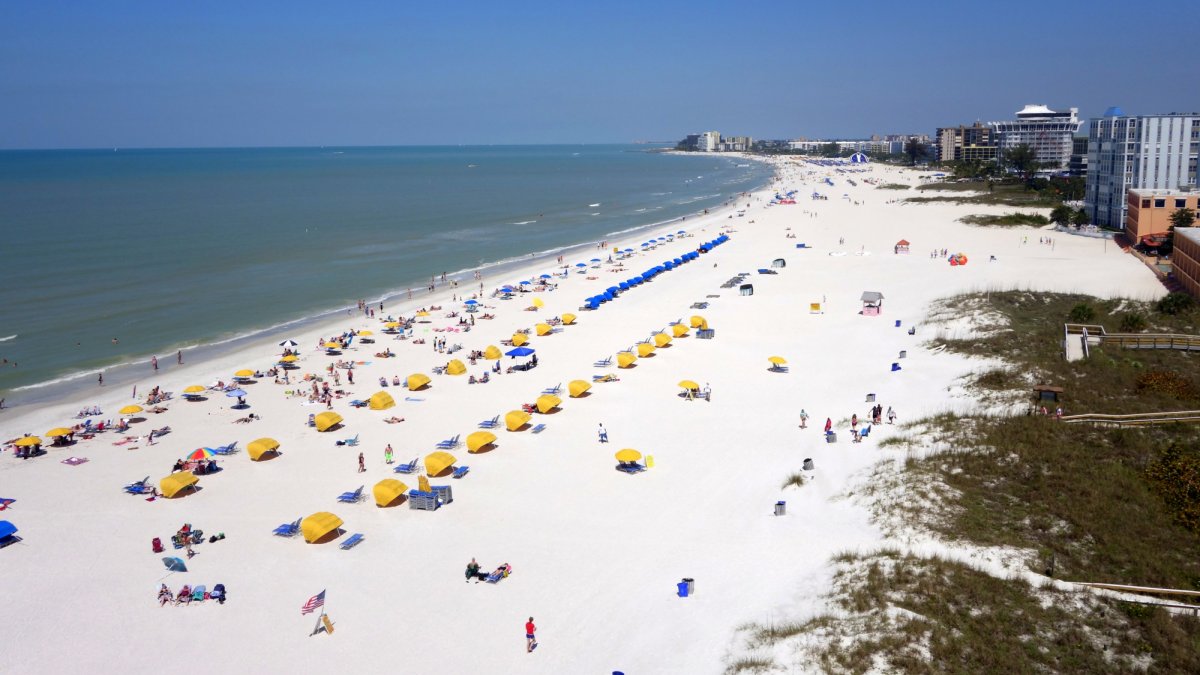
(288, 529)
(353, 441)
(139, 487)
(553, 390)
(501, 573)
(863, 434)
(411, 467)
(225, 449)
(676, 322)
(218, 593)
(538, 429)
(352, 497)
(604, 362)
(351, 541)
(461, 471)
(358, 403)
(449, 443)
(490, 424)
(198, 593)
(630, 467)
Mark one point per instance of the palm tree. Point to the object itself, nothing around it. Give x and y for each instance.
(1022, 160)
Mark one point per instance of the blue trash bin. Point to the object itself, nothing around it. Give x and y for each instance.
(897, 323)
(683, 589)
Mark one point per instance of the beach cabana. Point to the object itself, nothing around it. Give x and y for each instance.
(455, 367)
(177, 483)
(492, 353)
(699, 322)
(327, 420)
(480, 440)
(568, 319)
(519, 339)
(859, 158)
(319, 525)
(679, 330)
(537, 302)
(902, 246)
(578, 388)
(625, 359)
(872, 303)
(662, 340)
(516, 419)
(645, 349)
(381, 400)
(542, 329)
(547, 402)
(257, 449)
(387, 491)
(416, 381)
(437, 462)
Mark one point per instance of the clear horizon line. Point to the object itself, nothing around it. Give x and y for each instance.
(306, 147)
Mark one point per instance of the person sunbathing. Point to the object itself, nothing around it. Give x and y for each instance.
(164, 595)
(394, 420)
(185, 595)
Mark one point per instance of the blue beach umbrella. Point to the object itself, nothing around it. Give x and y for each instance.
(526, 282)
(235, 393)
(519, 351)
(544, 276)
(580, 264)
(681, 232)
(595, 260)
(471, 302)
(174, 564)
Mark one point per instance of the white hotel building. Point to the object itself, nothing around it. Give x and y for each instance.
(1048, 132)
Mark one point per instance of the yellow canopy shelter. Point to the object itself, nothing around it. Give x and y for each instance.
(537, 302)
(388, 490)
(519, 339)
(244, 372)
(479, 439)
(437, 462)
(699, 322)
(28, 441)
(381, 400)
(455, 367)
(662, 340)
(543, 329)
(130, 410)
(688, 384)
(516, 419)
(645, 349)
(318, 525)
(194, 389)
(256, 449)
(417, 380)
(327, 420)
(625, 359)
(628, 455)
(568, 319)
(176, 483)
(492, 353)
(58, 431)
(777, 360)
(547, 402)
(679, 330)
(577, 387)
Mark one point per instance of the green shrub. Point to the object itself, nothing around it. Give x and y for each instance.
(1176, 477)
(1082, 313)
(1133, 322)
(1176, 303)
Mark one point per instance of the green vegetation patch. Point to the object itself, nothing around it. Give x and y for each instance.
(893, 186)
(1006, 220)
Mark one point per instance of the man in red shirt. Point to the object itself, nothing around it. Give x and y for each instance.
(531, 641)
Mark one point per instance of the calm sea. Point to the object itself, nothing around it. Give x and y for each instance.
(195, 249)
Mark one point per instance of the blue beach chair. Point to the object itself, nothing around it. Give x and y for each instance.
(411, 467)
(288, 529)
(352, 497)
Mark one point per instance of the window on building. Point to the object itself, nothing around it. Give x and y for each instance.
(1180, 203)
(1145, 203)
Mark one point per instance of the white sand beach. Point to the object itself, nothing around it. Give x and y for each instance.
(596, 553)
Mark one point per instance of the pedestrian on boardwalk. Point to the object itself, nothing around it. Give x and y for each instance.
(530, 640)
(803, 419)
(362, 463)
(387, 454)
(603, 433)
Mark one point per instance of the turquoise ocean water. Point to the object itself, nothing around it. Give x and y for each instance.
(201, 249)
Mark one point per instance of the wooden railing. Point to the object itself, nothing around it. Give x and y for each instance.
(1085, 332)
(1195, 610)
(1135, 419)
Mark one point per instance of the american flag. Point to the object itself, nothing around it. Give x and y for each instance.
(313, 603)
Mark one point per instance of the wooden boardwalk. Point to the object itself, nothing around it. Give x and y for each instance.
(1078, 339)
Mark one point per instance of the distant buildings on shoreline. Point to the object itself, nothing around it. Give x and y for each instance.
(1049, 133)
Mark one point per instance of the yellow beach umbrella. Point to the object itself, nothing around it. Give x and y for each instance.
(176, 483)
(319, 525)
(625, 359)
(645, 349)
(388, 490)
(516, 419)
(537, 302)
(479, 439)
(777, 360)
(392, 324)
(662, 340)
(290, 358)
(422, 313)
(568, 319)
(327, 420)
(365, 333)
(547, 402)
(688, 384)
(59, 431)
(333, 345)
(492, 353)
(437, 462)
(256, 449)
(381, 400)
(455, 367)
(27, 441)
(578, 387)
(679, 330)
(699, 322)
(245, 372)
(130, 410)
(628, 455)
(519, 339)
(543, 329)
(194, 389)
(417, 380)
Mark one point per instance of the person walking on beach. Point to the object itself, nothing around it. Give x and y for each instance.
(362, 463)
(387, 454)
(828, 424)
(891, 415)
(154, 362)
(530, 640)
(179, 357)
(803, 419)
(854, 422)
(603, 433)
(707, 393)
(101, 379)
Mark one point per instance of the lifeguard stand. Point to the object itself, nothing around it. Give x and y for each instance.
(872, 303)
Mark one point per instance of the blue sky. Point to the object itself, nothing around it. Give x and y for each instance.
(168, 74)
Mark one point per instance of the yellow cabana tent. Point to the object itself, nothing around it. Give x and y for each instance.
(645, 349)
(547, 402)
(28, 441)
(416, 381)
(679, 330)
(130, 410)
(777, 360)
(688, 384)
(577, 387)
(516, 419)
(194, 389)
(423, 484)
(699, 322)
(628, 455)
(59, 431)
(519, 339)
(537, 302)
(492, 353)
(244, 373)
(437, 462)
(176, 483)
(479, 439)
(256, 449)
(381, 400)
(318, 525)
(388, 490)
(625, 359)
(543, 329)
(327, 420)
(568, 319)
(662, 340)
(455, 367)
